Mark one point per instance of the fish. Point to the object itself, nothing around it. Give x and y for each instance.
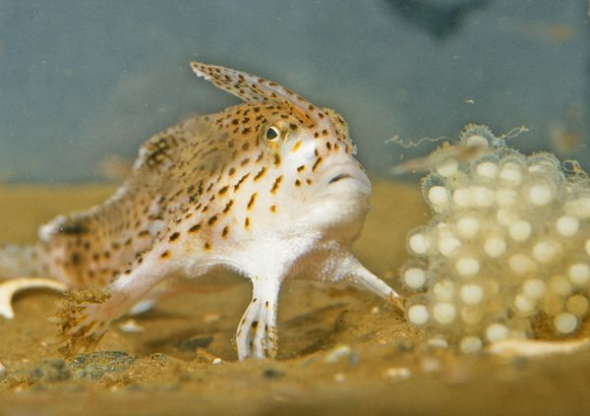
(269, 189)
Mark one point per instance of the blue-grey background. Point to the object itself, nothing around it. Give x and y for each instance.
(81, 80)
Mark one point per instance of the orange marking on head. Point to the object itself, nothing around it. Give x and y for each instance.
(296, 146)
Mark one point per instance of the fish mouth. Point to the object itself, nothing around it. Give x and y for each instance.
(339, 177)
(350, 173)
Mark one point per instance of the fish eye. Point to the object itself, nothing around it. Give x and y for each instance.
(272, 133)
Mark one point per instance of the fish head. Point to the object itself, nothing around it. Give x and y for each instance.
(302, 151)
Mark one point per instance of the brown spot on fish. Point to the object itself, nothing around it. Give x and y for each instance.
(252, 201)
(228, 206)
(276, 185)
(260, 174)
(195, 228)
(242, 179)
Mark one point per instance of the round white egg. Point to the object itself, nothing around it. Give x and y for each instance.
(470, 344)
(444, 313)
(468, 227)
(463, 198)
(540, 195)
(534, 288)
(579, 273)
(520, 230)
(472, 294)
(488, 170)
(506, 197)
(494, 246)
(511, 174)
(418, 314)
(546, 251)
(414, 278)
(438, 196)
(444, 290)
(447, 168)
(567, 225)
(565, 323)
(524, 304)
(577, 304)
(467, 266)
(520, 263)
(419, 243)
(448, 246)
(496, 332)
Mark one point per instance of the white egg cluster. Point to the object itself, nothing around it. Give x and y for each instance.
(508, 249)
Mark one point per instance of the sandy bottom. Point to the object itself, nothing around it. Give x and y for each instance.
(341, 350)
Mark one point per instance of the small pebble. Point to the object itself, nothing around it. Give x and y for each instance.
(131, 326)
(430, 365)
(339, 377)
(398, 373)
(338, 352)
(211, 318)
(438, 342)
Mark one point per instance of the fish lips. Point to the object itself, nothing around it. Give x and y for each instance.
(343, 174)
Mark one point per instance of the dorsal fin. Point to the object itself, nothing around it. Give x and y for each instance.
(253, 89)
